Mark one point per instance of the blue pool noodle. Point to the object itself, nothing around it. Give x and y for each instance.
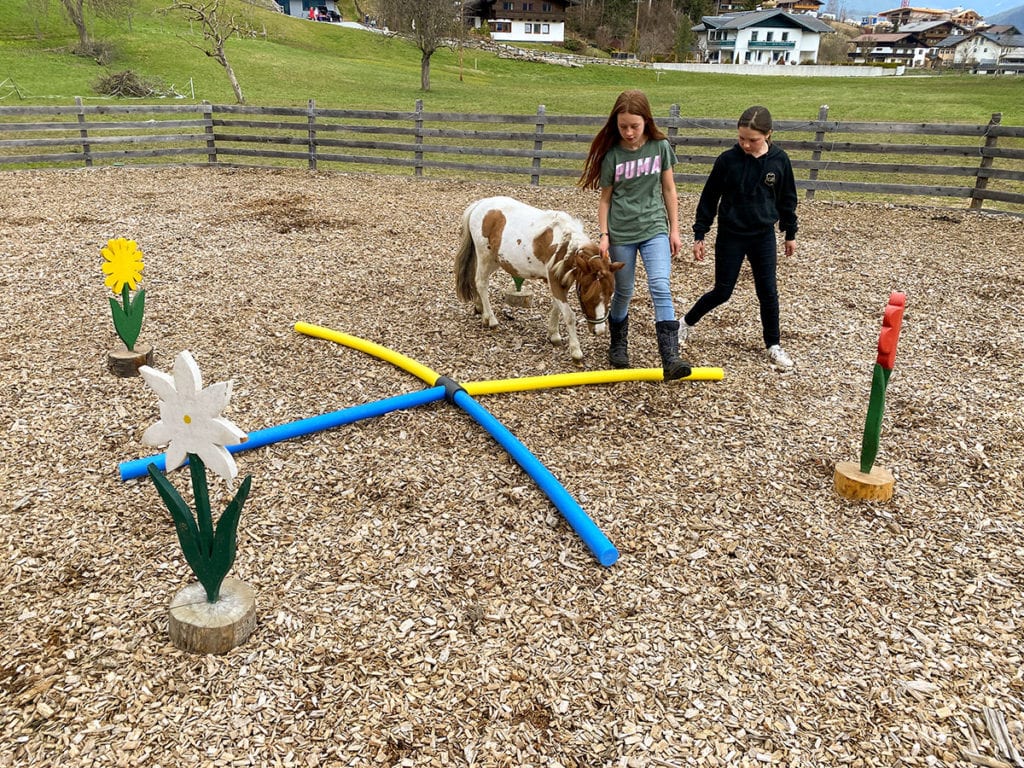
(586, 529)
(261, 437)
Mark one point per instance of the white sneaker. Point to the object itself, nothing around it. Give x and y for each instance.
(684, 332)
(777, 357)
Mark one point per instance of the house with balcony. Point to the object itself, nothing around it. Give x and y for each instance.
(931, 33)
(760, 37)
(907, 14)
(800, 6)
(987, 52)
(889, 48)
(519, 21)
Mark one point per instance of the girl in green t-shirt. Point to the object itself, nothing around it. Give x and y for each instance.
(630, 162)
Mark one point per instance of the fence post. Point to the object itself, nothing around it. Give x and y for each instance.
(538, 145)
(981, 181)
(673, 125)
(311, 127)
(211, 141)
(83, 132)
(419, 137)
(819, 139)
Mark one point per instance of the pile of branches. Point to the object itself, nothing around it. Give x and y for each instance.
(128, 84)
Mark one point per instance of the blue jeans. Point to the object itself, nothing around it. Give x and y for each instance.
(730, 249)
(657, 257)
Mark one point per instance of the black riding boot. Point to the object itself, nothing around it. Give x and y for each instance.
(618, 349)
(668, 345)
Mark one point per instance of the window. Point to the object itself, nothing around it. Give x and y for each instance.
(527, 6)
(501, 26)
(546, 7)
(507, 6)
(785, 36)
(753, 36)
(769, 37)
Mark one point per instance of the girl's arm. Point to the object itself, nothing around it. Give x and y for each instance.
(786, 203)
(707, 206)
(603, 206)
(671, 198)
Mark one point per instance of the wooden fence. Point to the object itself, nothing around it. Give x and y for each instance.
(982, 164)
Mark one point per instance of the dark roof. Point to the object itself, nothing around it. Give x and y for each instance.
(756, 18)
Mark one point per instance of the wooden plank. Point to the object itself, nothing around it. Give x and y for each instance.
(270, 126)
(880, 189)
(843, 166)
(940, 150)
(56, 157)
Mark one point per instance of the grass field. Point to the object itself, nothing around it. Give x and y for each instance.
(289, 61)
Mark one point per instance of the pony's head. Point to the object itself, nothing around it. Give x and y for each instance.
(595, 283)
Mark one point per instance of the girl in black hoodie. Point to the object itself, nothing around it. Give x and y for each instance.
(751, 188)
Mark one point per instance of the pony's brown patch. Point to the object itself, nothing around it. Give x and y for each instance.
(493, 227)
(542, 248)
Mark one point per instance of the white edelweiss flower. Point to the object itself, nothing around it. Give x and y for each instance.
(190, 417)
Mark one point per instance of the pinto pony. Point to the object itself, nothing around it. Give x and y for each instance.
(530, 243)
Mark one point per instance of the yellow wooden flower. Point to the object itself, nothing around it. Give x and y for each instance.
(122, 264)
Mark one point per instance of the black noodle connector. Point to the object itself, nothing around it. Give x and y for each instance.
(451, 386)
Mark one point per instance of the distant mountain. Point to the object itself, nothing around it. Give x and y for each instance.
(1013, 16)
(991, 10)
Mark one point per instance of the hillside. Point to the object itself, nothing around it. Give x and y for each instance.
(289, 61)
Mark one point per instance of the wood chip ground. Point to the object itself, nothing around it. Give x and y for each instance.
(420, 602)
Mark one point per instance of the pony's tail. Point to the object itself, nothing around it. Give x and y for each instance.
(465, 262)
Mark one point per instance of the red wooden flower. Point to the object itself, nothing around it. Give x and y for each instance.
(890, 335)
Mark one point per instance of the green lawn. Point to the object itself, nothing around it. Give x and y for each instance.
(298, 60)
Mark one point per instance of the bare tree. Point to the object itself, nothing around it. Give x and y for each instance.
(217, 29)
(657, 23)
(78, 11)
(432, 25)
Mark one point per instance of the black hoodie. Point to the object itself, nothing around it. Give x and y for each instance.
(751, 194)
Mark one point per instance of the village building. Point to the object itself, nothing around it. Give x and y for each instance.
(760, 37)
(519, 21)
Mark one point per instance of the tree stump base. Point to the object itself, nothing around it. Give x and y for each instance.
(521, 298)
(126, 362)
(198, 626)
(851, 483)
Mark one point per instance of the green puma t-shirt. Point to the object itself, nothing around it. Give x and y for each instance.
(637, 212)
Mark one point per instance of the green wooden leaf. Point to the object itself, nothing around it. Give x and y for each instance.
(184, 524)
(201, 493)
(873, 423)
(225, 540)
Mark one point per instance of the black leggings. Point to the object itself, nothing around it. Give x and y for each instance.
(730, 249)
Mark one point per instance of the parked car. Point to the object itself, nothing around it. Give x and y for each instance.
(326, 14)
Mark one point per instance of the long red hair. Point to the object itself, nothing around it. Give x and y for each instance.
(633, 103)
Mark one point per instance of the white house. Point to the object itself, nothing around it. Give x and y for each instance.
(988, 53)
(519, 21)
(760, 37)
(301, 8)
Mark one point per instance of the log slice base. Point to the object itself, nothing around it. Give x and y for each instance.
(520, 298)
(126, 362)
(851, 483)
(198, 626)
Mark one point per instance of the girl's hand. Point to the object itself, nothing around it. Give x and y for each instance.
(698, 250)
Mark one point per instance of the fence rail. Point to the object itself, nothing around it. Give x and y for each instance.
(980, 163)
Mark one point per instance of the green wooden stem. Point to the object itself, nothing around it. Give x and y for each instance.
(873, 423)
